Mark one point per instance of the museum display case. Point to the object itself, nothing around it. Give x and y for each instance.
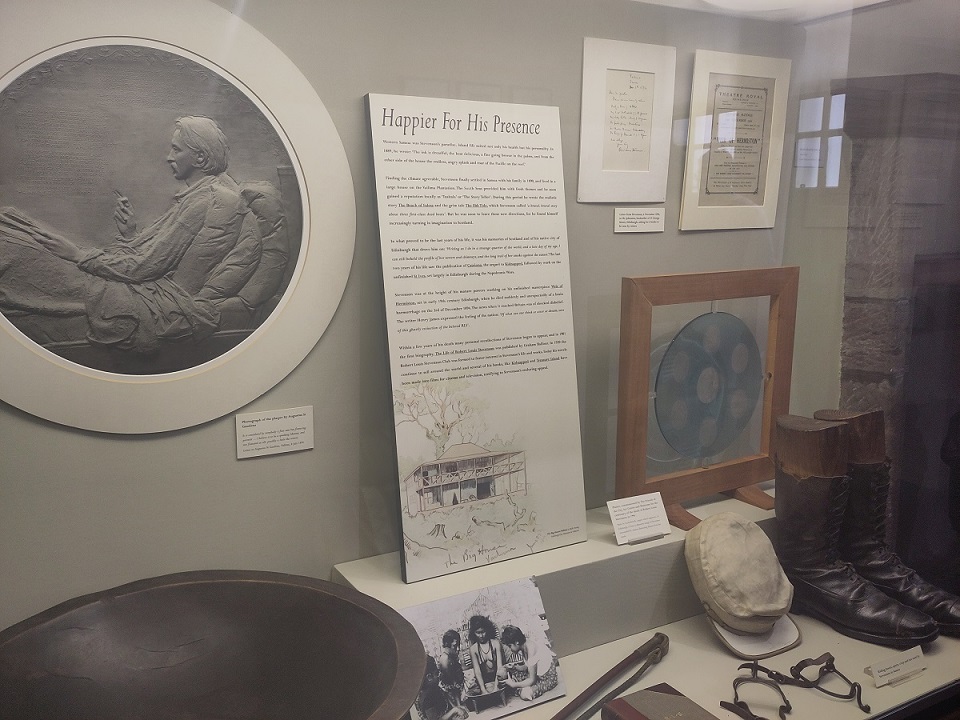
(540, 159)
(604, 601)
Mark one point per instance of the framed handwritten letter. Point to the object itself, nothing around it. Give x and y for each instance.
(735, 141)
(625, 116)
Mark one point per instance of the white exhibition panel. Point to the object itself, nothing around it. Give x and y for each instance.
(477, 291)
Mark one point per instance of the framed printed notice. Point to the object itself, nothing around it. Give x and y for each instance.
(625, 116)
(476, 283)
(735, 141)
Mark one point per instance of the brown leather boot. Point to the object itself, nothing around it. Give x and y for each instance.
(812, 491)
(863, 534)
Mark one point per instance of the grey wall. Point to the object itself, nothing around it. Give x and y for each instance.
(81, 511)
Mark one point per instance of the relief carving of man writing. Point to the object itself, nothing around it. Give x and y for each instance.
(164, 282)
(213, 264)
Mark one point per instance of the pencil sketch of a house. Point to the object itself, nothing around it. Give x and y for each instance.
(465, 473)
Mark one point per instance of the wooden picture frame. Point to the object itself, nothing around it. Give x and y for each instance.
(738, 476)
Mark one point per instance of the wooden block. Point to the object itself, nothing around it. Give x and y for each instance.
(866, 433)
(680, 517)
(752, 495)
(808, 447)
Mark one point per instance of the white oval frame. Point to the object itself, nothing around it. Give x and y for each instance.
(45, 385)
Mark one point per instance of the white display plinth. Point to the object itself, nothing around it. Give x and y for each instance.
(702, 669)
(603, 601)
(593, 592)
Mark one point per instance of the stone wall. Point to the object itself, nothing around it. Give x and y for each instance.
(903, 132)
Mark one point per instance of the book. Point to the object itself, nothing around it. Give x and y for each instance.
(657, 702)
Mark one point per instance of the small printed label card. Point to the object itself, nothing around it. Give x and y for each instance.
(638, 518)
(897, 668)
(638, 220)
(274, 431)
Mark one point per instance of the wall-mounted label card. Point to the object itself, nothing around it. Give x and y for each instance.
(638, 518)
(897, 668)
(274, 431)
(638, 220)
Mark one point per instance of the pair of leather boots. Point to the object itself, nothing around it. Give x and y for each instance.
(832, 483)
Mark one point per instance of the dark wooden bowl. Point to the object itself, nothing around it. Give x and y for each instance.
(213, 645)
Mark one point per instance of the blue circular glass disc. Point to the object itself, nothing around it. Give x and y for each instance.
(708, 385)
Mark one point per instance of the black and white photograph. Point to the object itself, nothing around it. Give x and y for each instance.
(489, 653)
(150, 215)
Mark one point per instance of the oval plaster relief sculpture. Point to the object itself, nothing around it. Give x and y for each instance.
(176, 225)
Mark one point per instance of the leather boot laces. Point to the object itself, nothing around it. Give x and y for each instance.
(878, 515)
(838, 506)
(878, 505)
